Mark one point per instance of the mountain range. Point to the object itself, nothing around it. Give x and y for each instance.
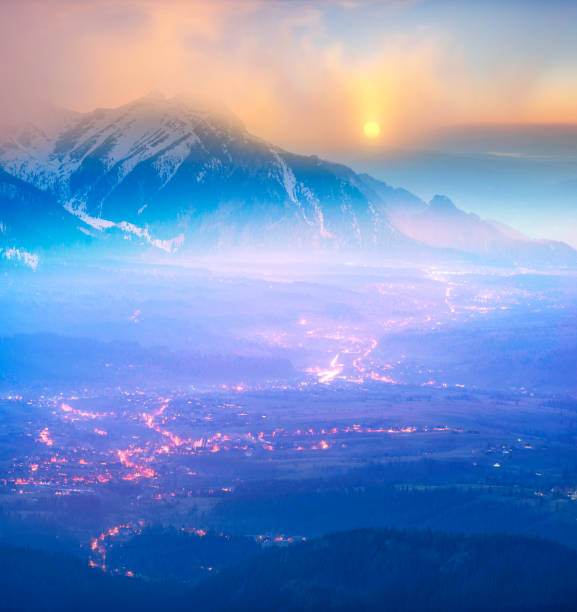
(527, 178)
(170, 176)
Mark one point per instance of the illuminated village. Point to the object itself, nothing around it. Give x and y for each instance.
(111, 465)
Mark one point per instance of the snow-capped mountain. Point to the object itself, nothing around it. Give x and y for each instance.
(168, 174)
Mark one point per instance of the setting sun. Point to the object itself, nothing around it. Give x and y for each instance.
(372, 129)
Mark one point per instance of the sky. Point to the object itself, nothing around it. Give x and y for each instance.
(307, 75)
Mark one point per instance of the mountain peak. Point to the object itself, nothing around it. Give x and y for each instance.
(154, 94)
(215, 110)
(441, 203)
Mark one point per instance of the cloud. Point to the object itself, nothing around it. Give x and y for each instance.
(304, 74)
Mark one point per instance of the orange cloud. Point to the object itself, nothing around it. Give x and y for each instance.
(293, 71)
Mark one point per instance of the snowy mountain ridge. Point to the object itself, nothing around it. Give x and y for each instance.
(168, 174)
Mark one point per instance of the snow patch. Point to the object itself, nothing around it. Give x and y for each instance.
(166, 164)
(314, 202)
(288, 178)
(21, 256)
(170, 245)
(95, 222)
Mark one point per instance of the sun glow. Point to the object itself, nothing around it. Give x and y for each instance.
(372, 129)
